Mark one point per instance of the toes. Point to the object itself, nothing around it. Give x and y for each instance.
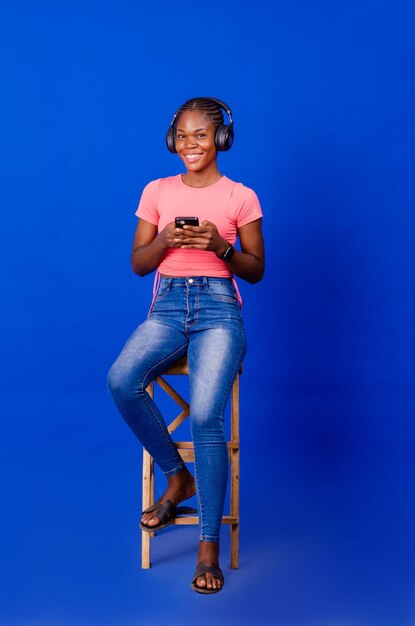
(150, 521)
(208, 581)
(211, 581)
(216, 583)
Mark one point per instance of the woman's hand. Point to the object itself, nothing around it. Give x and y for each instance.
(170, 236)
(149, 247)
(204, 237)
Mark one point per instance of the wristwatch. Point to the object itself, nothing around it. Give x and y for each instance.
(229, 252)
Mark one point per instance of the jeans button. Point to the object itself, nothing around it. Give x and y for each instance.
(191, 280)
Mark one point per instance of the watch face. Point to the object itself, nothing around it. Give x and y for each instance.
(229, 253)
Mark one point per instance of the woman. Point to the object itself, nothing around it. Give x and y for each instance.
(195, 310)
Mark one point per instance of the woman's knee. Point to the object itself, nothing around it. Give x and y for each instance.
(127, 378)
(115, 379)
(121, 381)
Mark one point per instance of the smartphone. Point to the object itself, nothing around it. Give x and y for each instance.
(189, 221)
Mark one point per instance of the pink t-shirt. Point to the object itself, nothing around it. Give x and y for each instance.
(227, 204)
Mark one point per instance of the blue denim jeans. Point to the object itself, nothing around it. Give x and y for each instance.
(199, 316)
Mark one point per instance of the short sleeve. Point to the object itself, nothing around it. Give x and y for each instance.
(147, 207)
(249, 208)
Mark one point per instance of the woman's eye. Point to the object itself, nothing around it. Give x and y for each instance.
(180, 136)
(201, 135)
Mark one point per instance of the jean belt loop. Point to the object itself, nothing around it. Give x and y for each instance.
(205, 282)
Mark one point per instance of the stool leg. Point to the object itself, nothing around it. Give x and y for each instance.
(148, 498)
(148, 481)
(235, 466)
(234, 528)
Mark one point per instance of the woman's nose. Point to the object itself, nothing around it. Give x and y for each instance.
(190, 142)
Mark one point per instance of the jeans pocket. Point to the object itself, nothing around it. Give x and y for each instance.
(222, 292)
(163, 290)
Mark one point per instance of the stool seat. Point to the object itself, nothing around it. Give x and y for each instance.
(186, 451)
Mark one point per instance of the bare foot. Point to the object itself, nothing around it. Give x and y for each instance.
(209, 554)
(180, 487)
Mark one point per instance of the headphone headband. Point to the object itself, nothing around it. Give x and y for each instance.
(221, 104)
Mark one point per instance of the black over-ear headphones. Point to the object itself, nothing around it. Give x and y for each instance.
(223, 136)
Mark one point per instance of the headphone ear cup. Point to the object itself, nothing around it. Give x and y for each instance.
(171, 139)
(230, 137)
(220, 138)
(223, 137)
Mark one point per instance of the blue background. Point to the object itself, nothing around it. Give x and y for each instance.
(323, 99)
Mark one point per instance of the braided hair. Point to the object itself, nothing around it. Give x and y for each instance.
(207, 107)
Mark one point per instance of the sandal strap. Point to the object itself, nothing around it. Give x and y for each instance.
(202, 568)
(164, 511)
(153, 507)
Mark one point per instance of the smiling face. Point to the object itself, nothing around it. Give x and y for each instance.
(195, 141)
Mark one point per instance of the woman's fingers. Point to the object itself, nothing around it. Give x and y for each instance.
(195, 230)
(204, 237)
(196, 241)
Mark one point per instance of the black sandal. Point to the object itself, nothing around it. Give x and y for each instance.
(166, 512)
(201, 569)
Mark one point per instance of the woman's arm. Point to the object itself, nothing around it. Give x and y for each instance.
(149, 247)
(248, 264)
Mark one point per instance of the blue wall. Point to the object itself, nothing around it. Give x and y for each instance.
(323, 99)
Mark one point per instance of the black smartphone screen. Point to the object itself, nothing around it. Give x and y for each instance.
(189, 221)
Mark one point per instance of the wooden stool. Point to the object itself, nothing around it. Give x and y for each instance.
(186, 451)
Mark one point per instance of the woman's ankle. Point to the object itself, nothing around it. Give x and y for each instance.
(208, 550)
